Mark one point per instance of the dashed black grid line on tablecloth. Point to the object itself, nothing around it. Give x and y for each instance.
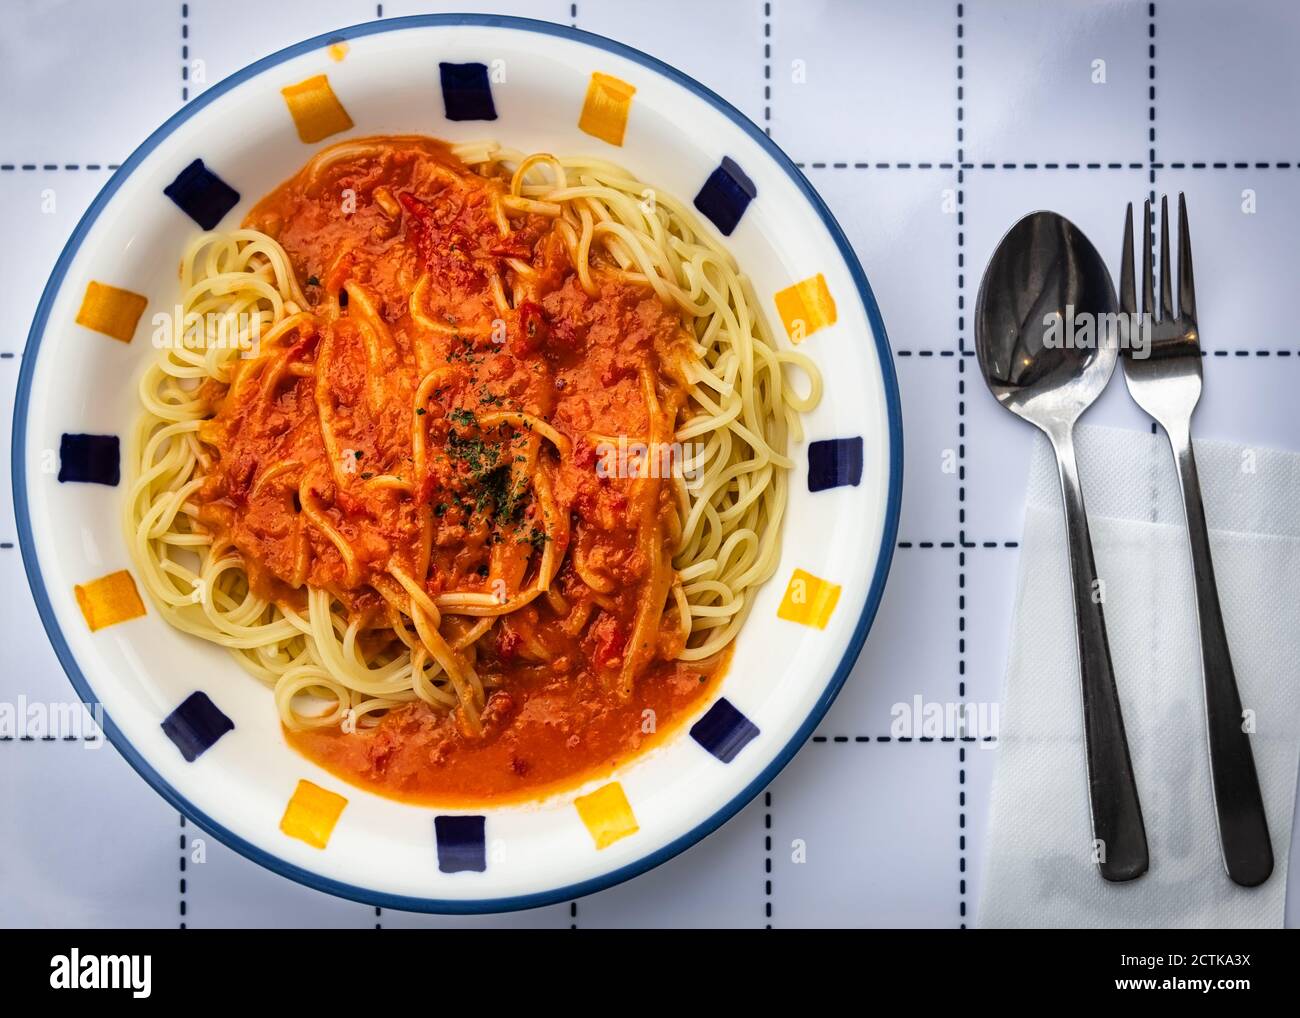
(767, 69)
(767, 857)
(185, 53)
(1151, 139)
(961, 437)
(1151, 98)
(844, 739)
(961, 833)
(1151, 164)
(961, 463)
(958, 544)
(183, 851)
(49, 167)
(1204, 353)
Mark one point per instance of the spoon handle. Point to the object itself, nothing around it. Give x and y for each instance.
(1118, 832)
(1243, 829)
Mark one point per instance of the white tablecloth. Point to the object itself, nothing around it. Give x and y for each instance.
(929, 129)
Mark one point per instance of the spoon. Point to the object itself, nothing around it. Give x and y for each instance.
(1045, 267)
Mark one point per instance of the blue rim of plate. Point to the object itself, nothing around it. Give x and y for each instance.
(261, 856)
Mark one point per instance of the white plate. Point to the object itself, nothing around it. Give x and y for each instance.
(77, 381)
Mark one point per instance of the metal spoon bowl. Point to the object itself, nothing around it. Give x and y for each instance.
(1043, 266)
(1042, 277)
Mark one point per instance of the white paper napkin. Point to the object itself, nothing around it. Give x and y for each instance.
(1039, 870)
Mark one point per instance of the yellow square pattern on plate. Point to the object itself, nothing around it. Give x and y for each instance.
(809, 600)
(607, 814)
(312, 813)
(315, 108)
(604, 111)
(109, 600)
(806, 307)
(111, 311)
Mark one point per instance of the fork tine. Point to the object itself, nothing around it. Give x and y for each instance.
(1166, 277)
(1186, 286)
(1127, 291)
(1148, 260)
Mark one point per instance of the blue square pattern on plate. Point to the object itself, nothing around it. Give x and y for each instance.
(723, 730)
(202, 195)
(90, 459)
(725, 195)
(467, 92)
(462, 843)
(834, 462)
(196, 725)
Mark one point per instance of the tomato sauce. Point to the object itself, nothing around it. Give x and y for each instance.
(365, 231)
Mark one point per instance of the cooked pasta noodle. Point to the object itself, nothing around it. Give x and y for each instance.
(382, 458)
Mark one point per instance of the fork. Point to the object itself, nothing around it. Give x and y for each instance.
(1166, 383)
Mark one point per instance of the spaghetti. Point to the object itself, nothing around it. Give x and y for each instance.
(474, 457)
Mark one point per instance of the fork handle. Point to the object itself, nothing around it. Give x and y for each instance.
(1112, 790)
(1239, 807)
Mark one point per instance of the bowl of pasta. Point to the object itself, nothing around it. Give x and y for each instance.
(479, 461)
